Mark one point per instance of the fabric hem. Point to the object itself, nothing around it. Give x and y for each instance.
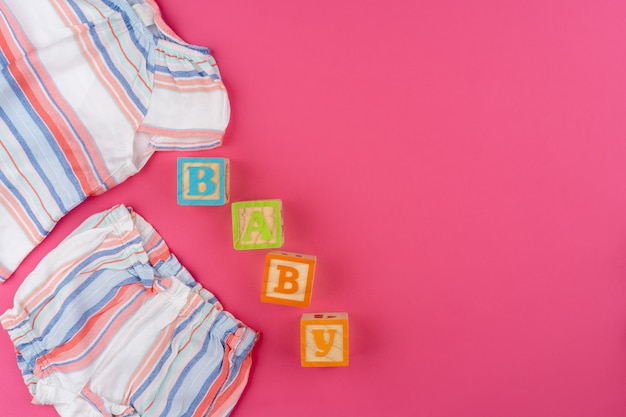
(231, 390)
(5, 274)
(35, 353)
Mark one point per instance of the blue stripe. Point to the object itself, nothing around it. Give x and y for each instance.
(129, 19)
(79, 324)
(71, 276)
(89, 313)
(77, 139)
(20, 198)
(185, 74)
(4, 62)
(90, 402)
(27, 370)
(78, 269)
(3, 59)
(84, 293)
(242, 351)
(17, 326)
(128, 16)
(166, 355)
(203, 390)
(44, 138)
(201, 358)
(107, 58)
(185, 372)
(57, 320)
(34, 160)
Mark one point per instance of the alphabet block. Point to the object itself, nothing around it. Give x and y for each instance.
(257, 224)
(203, 181)
(288, 279)
(324, 339)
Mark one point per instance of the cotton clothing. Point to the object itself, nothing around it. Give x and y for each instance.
(111, 324)
(89, 89)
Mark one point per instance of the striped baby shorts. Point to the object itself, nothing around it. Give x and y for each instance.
(110, 324)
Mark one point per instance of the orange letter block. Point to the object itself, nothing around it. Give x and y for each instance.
(288, 279)
(324, 339)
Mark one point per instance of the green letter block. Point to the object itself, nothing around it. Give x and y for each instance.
(257, 224)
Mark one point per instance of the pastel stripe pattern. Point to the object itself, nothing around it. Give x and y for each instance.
(110, 323)
(89, 90)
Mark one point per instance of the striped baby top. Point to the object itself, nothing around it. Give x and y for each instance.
(89, 90)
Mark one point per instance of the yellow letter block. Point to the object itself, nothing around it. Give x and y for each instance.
(257, 224)
(324, 339)
(288, 279)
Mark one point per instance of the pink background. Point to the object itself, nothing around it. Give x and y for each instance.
(459, 169)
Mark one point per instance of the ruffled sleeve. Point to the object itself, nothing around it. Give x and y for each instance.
(189, 108)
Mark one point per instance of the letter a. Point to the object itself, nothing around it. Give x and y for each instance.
(258, 224)
(322, 346)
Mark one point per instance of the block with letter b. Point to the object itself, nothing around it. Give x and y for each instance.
(257, 224)
(288, 279)
(203, 181)
(324, 339)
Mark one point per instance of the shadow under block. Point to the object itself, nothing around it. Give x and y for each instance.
(288, 279)
(203, 181)
(324, 339)
(257, 224)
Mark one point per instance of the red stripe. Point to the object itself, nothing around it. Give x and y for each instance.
(117, 40)
(25, 178)
(229, 396)
(99, 67)
(205, 404)
(76, 346)
(27, 78)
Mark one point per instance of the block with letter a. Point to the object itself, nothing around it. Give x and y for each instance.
(257, 224)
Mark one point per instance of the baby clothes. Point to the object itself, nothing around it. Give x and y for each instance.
(89, 89)
(111, 324)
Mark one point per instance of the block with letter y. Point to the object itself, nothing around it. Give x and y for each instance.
(324, 339)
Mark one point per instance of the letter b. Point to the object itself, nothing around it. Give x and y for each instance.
(203, 181)
(288, 279)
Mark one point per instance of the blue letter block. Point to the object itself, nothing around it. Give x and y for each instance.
(203, 181)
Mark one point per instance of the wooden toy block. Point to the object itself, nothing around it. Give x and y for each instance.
(324, 339)
(257, 224)
(203, 181)
(288, 279)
